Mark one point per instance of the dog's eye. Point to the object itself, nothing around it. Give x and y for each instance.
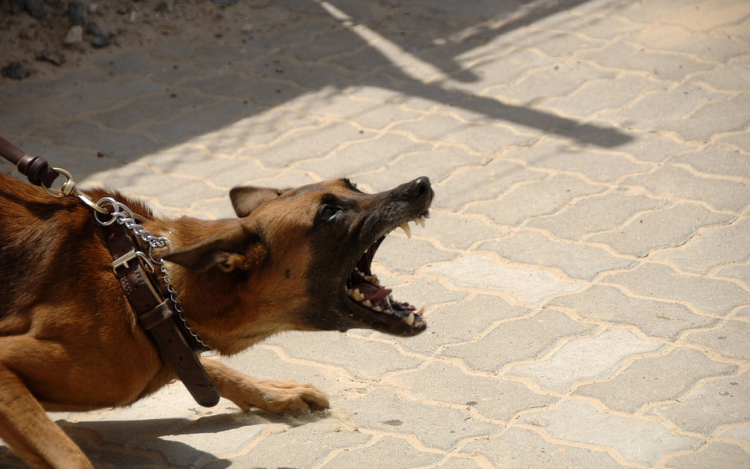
(329, 212)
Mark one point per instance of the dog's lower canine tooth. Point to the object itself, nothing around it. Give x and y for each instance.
(367, 303)
(420, 310)
(410, 319)
(407, 230)
(377, 309)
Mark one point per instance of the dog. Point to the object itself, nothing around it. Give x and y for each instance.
(297, 259)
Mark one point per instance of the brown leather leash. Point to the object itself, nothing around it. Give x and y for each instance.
(176, 345)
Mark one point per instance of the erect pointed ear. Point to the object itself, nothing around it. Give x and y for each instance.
(236, 248)
(245, 199)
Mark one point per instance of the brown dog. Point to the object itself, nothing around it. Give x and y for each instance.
(69, 339)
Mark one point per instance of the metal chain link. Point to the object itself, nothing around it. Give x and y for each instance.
(124, 216)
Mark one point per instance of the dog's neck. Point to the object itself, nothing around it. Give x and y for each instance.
(210, 301)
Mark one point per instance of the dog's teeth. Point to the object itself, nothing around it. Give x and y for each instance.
(375, 280)
(377, 309)
(367, 303)
(419, 221)
(420, 310)
(407, 230)
(410, 319)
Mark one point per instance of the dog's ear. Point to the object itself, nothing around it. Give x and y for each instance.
(238, 248)
(245, 199)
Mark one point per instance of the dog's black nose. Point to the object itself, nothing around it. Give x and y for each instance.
(419, 187)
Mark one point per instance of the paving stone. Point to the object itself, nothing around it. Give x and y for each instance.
(461, 322)
(655, 379)
(637, 440)
(459, 231)
(576, 260)
(661, 228)
(655, 318)
(385, 410)
(205, 436)
(713, 404)
(666, 105)
(363, 156)
(737, 272)
(554, 81)
(660, 65)
(715, 454)
(718, 117)
(670, 181)
(255, 130)
(677, 38)
(140, 181)
(145, 111)
(480, 138)
(312, 443)
(519, 448)
(522, 339)
(189, 160)
(394, 452)
(731, 77)
(729, 340)
(596, 213)
(493, 398)
(460, 463)
(481, 183)
(654, 147)
(523, 284)
(713, 247)
(101, 96)
(392, 253)
(84, 135)
(134, 63)
(306, 144)
(717, 159)
(368, 114)
(740, 431)
(537, 198)
(711, 296)
(346, 351)
(611, 93)
(585, 358)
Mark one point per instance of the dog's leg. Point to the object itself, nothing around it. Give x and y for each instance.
(27, 429)
(271, 396)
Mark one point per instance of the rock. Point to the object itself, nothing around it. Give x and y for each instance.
(74, 35)
(36, 9)
(77, 13)
(100, 41)
(15, 71)
(53, 57)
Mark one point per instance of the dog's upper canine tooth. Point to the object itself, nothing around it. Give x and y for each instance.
(407, 230)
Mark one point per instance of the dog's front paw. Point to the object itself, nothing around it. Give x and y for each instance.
(281, 396)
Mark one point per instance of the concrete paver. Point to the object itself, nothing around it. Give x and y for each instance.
(586, 269)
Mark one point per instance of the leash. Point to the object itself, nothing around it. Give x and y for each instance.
(176, 342)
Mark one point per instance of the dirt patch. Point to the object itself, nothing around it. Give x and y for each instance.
(42, 37)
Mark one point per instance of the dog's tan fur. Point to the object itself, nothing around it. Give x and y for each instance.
(70, 341)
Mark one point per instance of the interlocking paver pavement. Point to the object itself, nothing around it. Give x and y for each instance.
(586, 271)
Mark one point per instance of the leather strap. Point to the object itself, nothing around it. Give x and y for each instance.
(156, 317)
(35, 168)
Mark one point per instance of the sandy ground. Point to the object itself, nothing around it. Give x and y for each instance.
(128, 24)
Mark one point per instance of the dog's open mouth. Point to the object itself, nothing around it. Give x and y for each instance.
(376, 302)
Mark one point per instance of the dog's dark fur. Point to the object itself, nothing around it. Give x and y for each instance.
(70, 341)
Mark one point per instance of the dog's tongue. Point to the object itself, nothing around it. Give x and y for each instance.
(373, 293)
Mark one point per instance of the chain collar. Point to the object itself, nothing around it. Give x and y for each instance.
(121, 214)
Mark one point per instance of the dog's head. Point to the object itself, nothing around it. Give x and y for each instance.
(304, 255)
